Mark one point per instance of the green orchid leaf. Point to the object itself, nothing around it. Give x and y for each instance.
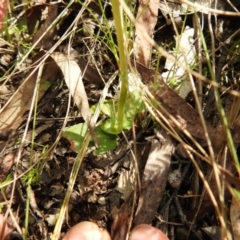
(75, 134)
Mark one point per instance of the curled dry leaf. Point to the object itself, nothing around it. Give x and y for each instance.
(120, 225)
(33, 16)
(154, 178)
(146, 18)
(47, 40)
(89, 73)
(187, 117)
(73, 78)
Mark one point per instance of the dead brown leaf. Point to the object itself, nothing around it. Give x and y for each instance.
(182, 112)
(154, 178)
(190, 121)
(146, 18)
(12, 114)
(89, 73)
(47, 41)
(33, 15)
(120, 226)
(73, 78)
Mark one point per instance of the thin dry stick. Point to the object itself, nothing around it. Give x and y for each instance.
(232, 6)
(149, 99)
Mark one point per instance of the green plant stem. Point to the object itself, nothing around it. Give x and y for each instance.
(123, 58)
